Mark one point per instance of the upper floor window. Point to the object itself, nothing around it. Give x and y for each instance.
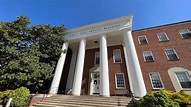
(148, 57)
(117, 56)
(142, 40)
(183, 79)
(156, 80)
(186, 34)
(120, 80)
(162, 37)
(171, 54)
(97, 58)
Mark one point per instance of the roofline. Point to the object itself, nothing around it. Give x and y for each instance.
(123, 18)
(162, 25)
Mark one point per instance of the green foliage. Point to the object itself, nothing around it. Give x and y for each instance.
(28, 54)
(4, 96)
(165, 98)
(157, 99)
(20, 97)
(181, 97)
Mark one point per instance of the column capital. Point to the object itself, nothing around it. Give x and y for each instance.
(103, 34)
(82, 38)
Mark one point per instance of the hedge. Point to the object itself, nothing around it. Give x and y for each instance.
(165, 98)
(20, 97)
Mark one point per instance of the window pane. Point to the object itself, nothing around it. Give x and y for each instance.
(171, 54)
(186, 34)
(142, 40)
(183, 79)
(155, 80)
(97, 55)
(162, 37)
(148, 56)
(120, 80)
(117, 56)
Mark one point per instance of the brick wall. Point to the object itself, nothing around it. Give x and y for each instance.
(161, 64)
(113, 68)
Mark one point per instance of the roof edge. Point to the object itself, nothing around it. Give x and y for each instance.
(162, 25)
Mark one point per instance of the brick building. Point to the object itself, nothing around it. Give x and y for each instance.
(108, 58)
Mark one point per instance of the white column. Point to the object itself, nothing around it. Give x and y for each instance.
(135, 70)
(76, 89)
(71, 71)
(58, 72)
(128, 70)
(104, 73)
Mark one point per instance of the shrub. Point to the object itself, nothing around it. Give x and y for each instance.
(157, 99)
(4, 96)
(181, 97)
(20, 97)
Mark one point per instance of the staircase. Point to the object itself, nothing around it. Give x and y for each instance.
(84, 101)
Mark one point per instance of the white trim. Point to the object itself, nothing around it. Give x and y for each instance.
(123, 80)
(99, 28)
(181, 34)
(151, 55)
(95, 58)
(160, 80)
(165, 35)
(114, 55)
(145, 39)
(174, 52)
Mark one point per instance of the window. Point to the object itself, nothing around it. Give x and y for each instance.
(142, 40)
(171, 54)
(186, 34)
(148, 57)
(117, 56)
(97, 55)
(156, 80)
(162, 37)
(120, 81)
(184, 80)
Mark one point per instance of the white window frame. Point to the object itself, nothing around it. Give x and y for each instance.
(181, 34)
(165, 35)
(114, 56)
(174, 52)
(123, 81)
(95, 58)
(151, 55)
(159, 78)
(187, 75)
(140, 41)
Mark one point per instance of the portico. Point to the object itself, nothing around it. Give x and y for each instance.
(100, 35)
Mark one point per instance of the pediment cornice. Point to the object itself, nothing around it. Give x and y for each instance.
(100, 27)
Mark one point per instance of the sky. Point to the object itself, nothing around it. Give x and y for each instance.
(76, 13)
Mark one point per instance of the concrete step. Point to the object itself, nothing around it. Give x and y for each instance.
(84, 101)
(83, 104)
(87, 97)
(97, 99)
(99, 102)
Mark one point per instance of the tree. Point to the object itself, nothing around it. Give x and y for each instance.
(28, 54)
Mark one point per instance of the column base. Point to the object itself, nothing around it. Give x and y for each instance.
(75, 94)
(104, 95)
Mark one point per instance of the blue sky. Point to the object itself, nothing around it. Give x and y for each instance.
(76, 13)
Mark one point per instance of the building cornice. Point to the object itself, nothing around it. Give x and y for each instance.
(100, 27)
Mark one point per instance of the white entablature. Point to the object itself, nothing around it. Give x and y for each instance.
(100, 28)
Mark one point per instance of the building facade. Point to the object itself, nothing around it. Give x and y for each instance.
(108, 58)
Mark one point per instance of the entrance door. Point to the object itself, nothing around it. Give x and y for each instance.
(95, 82)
